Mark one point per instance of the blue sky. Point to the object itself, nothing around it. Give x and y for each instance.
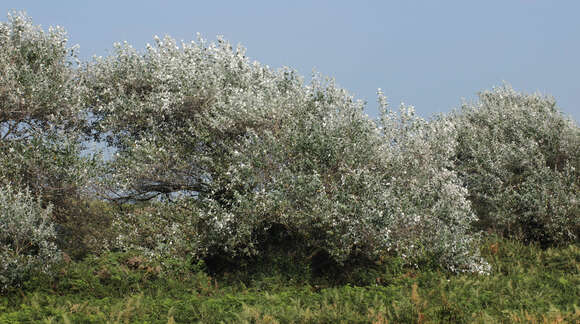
(429, 54)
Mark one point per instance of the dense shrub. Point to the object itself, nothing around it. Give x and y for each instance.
(519, 157)
(156, 230)
(40, 112)
(428, 203)
(214, 153)
(86, 227)
(234, 148)
(42, 121)
(27, 237)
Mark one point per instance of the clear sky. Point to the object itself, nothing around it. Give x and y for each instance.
(429, 54)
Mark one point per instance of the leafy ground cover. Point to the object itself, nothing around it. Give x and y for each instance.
(527, 285)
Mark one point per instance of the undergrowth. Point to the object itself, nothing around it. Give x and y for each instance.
(527, 285)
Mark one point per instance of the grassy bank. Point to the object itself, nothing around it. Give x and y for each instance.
(528, 285)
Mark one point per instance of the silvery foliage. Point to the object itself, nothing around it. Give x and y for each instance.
(40, 110)
(180, 112)
(426, 199)
(519, 157)
(159, 229)
(27, 237)
(238, 148)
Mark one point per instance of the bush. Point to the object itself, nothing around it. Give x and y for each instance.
(519, 157)
(156, 230)
(233, 149)
(85, 227)
(430, 215)
(42, 120)
(41, 116)
(27, 237)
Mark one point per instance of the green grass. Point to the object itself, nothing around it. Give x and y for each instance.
(528, 285)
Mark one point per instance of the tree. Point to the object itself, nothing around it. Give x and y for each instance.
(175, 116)
(519, 157)
(27, 237)
(40, 111)
(238, 149)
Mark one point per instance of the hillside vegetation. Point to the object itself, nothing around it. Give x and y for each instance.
(236, 192)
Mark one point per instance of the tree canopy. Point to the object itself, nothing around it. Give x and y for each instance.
(216, 155)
